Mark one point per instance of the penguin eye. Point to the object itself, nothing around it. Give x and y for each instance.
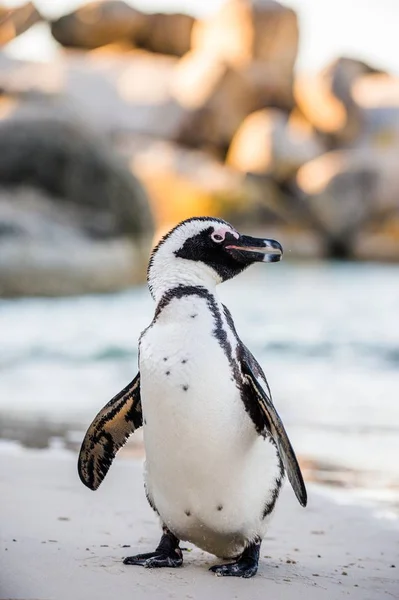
(216, 237)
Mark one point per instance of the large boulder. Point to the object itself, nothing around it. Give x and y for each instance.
(216, 96)
(97, 24)
(15, 21)
(45, 252)
(73, 219)
(347, 192)
(74, 165)
(166, 33)
(260, 37)
(377, 97)
(109, 21)
(113, 94)
(271, 143)
(244, 31)
(184, 182)
(195, 101)
(327, 102)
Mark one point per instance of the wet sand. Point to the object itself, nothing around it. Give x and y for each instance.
(61, 541)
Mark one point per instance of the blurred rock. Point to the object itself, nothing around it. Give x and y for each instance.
(105, 22)
(326, 99)
(97, 24)
(197, 101)
(113, 94)
(347, 191)
(377, 97)
(243, 31)
(379, 242)
(143, 105)
(66, 160)
(270, 143)
(260, 37)
(15, 21)
(43, 251)
(217, 97)
(270, 86)
(166, 33)
(73, 219)
(182, 182)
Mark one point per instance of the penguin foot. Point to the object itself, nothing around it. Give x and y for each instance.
(153, 560)
(168, 554)
(246, 566)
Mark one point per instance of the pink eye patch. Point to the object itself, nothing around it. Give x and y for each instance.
(219, 234)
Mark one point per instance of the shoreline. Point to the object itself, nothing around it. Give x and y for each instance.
(341, 483)
(69, 541)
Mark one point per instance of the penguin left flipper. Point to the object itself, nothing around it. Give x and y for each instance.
(108, 433)
(252, 372)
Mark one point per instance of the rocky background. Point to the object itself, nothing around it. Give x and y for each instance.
(146, 119)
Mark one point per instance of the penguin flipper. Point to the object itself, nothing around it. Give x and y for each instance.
(275, 426)
(108, 433)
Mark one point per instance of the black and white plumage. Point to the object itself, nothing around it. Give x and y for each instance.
(216, 449)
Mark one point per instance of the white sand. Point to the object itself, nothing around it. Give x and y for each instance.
(60, 541)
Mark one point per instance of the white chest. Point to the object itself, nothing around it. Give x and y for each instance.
(189, 396)
(207, 470)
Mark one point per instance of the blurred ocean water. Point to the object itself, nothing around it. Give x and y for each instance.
(326, 334)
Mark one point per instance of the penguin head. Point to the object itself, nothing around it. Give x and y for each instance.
(205, 251)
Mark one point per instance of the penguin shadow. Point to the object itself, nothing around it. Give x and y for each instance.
(278, 570)
(283, 571)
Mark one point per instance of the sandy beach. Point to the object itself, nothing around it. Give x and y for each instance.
(60, 541)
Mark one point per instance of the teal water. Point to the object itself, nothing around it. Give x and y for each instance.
(327, 336)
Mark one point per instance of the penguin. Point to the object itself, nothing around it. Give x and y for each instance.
(216, 449)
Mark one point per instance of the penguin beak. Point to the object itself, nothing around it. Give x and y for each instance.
(248, 249)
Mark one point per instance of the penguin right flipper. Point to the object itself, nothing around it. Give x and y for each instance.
(108, 433)
(252, 373)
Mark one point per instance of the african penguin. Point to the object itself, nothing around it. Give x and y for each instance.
(216, 449)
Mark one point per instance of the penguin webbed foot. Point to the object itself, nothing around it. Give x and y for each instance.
(153, 560)
(168, 554)
(246, 566)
